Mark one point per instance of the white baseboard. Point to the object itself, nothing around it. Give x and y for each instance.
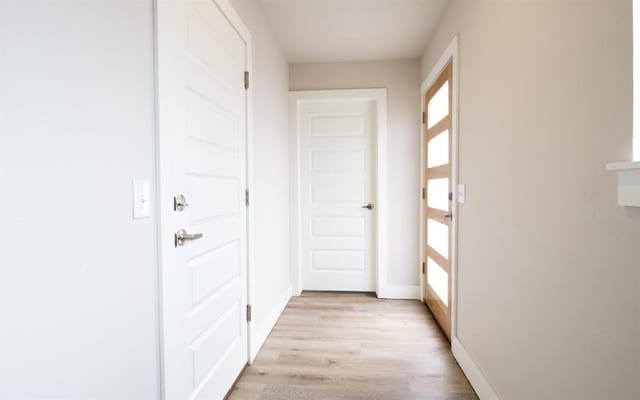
(403, 292)
(262, 325)
(471, 370)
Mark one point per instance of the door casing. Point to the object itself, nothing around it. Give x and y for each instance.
(450, 54)
(379, 96)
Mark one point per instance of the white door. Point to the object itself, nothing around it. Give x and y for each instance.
(202, 136)
(336, 176)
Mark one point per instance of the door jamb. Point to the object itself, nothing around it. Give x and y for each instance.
(451, 53)
(253, 345)
(379, 96)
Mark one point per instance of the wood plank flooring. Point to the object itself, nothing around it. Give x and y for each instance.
(353, 346)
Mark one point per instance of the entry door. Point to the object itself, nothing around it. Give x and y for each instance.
(337, 195)
(438, 196)
(202, 135)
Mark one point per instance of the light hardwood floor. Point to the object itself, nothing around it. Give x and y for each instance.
(353, 346)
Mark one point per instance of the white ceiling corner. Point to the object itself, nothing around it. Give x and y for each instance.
(352, 30)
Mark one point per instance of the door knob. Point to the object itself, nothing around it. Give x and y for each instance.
(179, 203)
(369, 206)
(447, 215)
(182, 236)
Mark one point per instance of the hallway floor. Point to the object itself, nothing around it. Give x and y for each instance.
(353, 346)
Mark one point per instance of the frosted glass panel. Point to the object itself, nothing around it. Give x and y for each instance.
(438, 106)
(438, 237)
(438, 150)
(438, 280)
(438, 194)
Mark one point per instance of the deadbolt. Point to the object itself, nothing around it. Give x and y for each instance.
(179, 202)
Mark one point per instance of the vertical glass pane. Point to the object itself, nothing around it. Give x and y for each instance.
(438, 194)
(438, 237)
(438, 106)
(438, 150)
(438, 280)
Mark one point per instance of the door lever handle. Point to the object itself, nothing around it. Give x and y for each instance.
(369, 206)
(182, 236)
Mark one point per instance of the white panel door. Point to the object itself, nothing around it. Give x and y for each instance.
(336, 142)
(202, 135)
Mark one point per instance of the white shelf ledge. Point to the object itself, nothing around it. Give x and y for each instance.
(628, 182)
(623, 166)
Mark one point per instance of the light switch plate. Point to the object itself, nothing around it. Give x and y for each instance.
(462, 189)
(141, 199)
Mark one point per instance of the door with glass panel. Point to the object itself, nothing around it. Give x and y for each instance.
(437, 199)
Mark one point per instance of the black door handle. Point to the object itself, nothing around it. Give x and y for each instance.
(369, 206)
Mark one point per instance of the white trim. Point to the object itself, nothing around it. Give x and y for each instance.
(261, 332)
(380, 97)
(472, 371)
(628, 182)
(623, 166)
(237, 23)
(636, 80)
(157, 212)
(402, 292)
(295, 238)
(235, 20)
(451, 53)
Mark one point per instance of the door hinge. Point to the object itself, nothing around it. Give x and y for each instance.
(246, 197)
(424, 117)
(246, 79)
(423, 268)
(248, 312)
(424, 193)
(450, 196)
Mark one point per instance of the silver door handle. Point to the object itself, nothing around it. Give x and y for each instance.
(182, 236)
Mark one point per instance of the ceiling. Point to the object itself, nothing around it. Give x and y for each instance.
(352, 30)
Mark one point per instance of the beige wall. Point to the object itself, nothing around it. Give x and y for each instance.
(549, 272)
(270, 198)
(402, 80)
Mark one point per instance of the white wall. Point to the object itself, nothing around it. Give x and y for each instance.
(78, 279)
(401, 78)
(270, 198)
(77, 297)
(549, 265)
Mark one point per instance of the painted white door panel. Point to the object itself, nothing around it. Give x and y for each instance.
(336, 164)
(202, 136)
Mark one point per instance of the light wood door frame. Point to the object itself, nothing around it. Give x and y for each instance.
(440, 310)
(448, 58)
